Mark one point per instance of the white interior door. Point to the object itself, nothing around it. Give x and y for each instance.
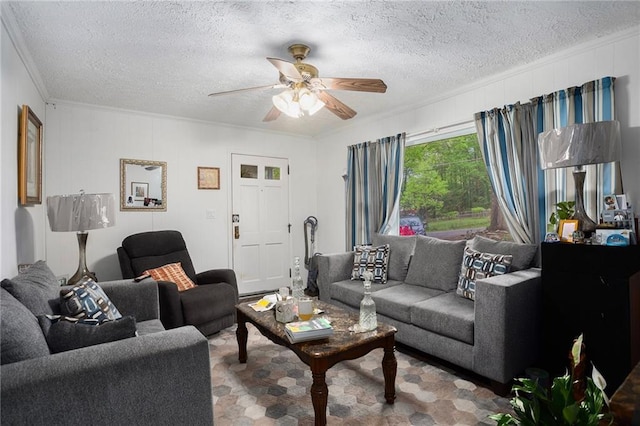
(260, 222)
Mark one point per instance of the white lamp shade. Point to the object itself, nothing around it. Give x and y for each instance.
(80, 212)
(580, 144)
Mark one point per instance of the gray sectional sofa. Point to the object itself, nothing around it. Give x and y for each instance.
(155, 378)
(496, 335)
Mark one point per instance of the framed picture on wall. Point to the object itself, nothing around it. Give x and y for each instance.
(140, 190)
(566, 229)
(29, 158)
(208, 178)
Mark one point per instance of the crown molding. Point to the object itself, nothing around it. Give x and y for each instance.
(11, 26)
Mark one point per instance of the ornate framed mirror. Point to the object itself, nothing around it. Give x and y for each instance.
(143, 185)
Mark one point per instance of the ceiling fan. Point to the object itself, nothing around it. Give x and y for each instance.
(305, 92)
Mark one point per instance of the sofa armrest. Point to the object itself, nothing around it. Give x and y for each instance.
(507, 324)
(137, 299)
(159, 378)
(215, 276)
(171, 313)
(332, 268)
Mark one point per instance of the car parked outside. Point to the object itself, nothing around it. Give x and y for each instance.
(411, 225)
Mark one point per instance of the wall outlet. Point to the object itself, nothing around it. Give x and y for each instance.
(210, 214)
(62, 279)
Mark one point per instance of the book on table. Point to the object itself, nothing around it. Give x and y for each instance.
(302, 331)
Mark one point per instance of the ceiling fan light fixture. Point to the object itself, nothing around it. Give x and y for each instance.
(315, 107)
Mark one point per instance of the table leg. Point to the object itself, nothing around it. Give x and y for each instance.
(319, 393)
(389, 369)
(241, 335)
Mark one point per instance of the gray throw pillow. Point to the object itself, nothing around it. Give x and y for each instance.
(400, 252)
(436, 263)
(65, 333)
(36, 288)
(523, 254)
(21, 336)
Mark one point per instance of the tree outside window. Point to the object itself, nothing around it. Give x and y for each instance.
(447, 188)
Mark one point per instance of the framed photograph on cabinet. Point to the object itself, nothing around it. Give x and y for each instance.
(566, 229)
(29, 158)
(208, 178)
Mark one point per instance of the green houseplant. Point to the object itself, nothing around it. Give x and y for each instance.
(573, 399)
(564, 210)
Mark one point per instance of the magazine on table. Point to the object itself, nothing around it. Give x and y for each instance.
(302, 331)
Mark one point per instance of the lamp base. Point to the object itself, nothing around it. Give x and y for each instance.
(585, 223)
(83, 271)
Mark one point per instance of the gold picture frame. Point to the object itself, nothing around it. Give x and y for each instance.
(208, 178)
(566, 229)
(29, 158)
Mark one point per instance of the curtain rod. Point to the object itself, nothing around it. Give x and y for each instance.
(437, 129)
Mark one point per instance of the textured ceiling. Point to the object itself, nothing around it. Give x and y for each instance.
(165, 57)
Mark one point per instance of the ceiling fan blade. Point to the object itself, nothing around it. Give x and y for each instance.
(272, 114)
(286, 68)
(355, 84)
(335, 106)
(271, 86)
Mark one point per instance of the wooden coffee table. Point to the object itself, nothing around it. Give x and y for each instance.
(321, 355)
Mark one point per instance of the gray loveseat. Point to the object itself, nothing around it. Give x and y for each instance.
(156, 378)
(495, 336)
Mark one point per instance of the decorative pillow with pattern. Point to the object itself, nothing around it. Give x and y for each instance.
(88, 300)
(174, 273)
(66, 333)
(374, 259)
(477, 265)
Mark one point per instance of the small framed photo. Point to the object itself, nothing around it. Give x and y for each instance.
(566, 230)
(611, 202)
(29, 158)
(140, 190)
(208, 178)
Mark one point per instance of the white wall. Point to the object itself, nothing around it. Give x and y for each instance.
(84, 147)
(21, 228)
(617, 56)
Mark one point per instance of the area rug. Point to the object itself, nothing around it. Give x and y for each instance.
(272, 388)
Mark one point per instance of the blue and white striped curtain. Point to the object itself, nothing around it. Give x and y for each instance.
(373, 184)
(508, 143)
(508, 138)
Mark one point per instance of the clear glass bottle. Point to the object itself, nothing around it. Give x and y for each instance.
(368, 319)
(297, 285)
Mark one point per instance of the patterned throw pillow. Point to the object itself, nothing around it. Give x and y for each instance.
(66, 333)
(476, 266)
(174, 273)
(88, 300)
(374, 259)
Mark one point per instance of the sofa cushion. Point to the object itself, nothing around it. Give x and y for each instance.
(400, 252)
(396, 302)
(477, 265)
(523, 254)
(174, 273)
(36, 288)
(435, 263)
(369, 258)
(66, 333)
(351, 292)
(88, 300)
(207, 302)
(448, 315)
(20, 334)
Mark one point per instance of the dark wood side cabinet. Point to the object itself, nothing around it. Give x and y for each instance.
(593, 290)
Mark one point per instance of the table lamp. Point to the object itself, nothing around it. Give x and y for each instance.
(80, 213)
(578, 145)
